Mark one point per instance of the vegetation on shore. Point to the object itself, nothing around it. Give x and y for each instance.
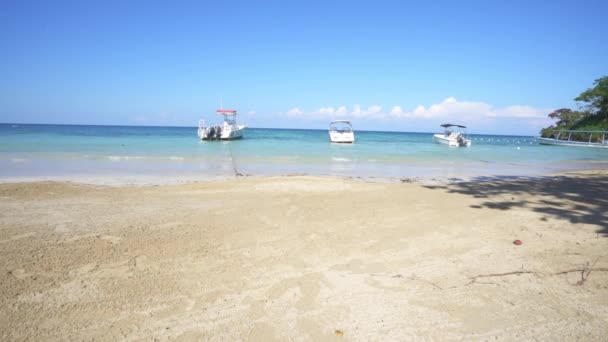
(592, 116)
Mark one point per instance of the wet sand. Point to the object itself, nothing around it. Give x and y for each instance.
(306, 259)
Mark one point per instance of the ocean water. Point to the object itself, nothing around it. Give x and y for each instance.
(132, 154)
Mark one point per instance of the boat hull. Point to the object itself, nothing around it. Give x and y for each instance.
(233, 134)
(442, 139)
(555, 142)
(343, 138)
(226, 134)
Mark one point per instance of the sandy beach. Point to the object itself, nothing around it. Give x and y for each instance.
(306, 259)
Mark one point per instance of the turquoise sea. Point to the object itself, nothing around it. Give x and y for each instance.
(106, 154)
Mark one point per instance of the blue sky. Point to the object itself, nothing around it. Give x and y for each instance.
(497, 66)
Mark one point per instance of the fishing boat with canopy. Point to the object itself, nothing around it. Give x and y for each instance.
(228, 130)
(453, 135)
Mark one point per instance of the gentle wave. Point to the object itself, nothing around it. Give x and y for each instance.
(119, 158)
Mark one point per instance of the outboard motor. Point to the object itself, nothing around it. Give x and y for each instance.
(460, 140)
(210, 133)
(218, 132)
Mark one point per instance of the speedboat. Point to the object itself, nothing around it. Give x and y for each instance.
(453, 135)
(341, 131)
(576, 138)
(228, 130)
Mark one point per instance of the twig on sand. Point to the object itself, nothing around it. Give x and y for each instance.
(412, 277)
(474, 279)
(585, 272)
(394, 275)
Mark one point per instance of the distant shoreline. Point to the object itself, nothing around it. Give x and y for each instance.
(259, 128)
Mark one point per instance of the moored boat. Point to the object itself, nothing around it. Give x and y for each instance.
(228, 130)
(341, 131)
(565, 138)
(453, 135)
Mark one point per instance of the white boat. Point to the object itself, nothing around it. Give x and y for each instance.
(228, 130)
(453, 135)
(341, 131)
(561, 140)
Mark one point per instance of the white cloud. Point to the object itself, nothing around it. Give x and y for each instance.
(448, 109)
(251, 112)
(451, 108)
(326, 111)
(294, 112)
(374, 109)
(397, 111)
(333, 112)
(341, 111)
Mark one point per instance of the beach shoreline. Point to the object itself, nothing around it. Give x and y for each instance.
(306, 258)
(150, 179)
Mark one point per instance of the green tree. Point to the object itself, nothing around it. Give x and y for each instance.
(566, 118)
(596, 98)
(592, 117)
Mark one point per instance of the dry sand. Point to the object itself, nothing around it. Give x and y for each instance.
(306, 259)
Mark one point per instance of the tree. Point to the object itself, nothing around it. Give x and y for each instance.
(566, 118)
(592, 117)
(596, 98)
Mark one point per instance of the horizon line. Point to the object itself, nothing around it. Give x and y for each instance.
(286, 128)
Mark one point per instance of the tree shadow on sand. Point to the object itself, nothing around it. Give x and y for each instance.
(577, 198)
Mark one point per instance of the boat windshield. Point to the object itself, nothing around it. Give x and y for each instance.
(231, 120)
(340, 127)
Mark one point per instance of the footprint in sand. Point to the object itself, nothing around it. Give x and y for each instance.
(113, 270)
(17, 237)
(111, 239)
(140, 263)
(61, 228)
(76, 238)
(83, 270)
(19, 273)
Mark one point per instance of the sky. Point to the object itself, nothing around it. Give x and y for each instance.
(495, 66)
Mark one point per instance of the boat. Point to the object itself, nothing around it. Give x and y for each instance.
(228, 130)
(341, 131)
(453, 135)
(559, 138)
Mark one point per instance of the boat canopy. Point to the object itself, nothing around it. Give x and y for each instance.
(226, 112)
(452, 125)
(340, 121)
